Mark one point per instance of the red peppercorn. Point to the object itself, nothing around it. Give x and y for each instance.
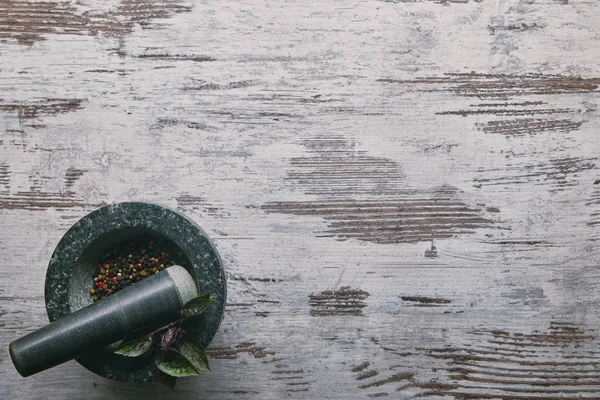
(140, 266)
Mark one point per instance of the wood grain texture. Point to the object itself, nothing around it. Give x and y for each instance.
(405, 194)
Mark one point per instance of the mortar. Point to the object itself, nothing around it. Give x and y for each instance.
(71, 270)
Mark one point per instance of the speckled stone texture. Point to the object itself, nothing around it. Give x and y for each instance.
(70, 273)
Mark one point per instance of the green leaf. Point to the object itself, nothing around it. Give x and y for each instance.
(136, 343)
(196, 306)
(195, 354)
(167, 380)
(175, 364)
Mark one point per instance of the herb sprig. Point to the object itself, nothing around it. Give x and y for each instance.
(174, 354)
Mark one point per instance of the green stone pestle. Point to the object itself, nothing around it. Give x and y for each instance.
(152, 302)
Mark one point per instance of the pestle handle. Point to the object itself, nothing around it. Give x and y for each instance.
(154, 301)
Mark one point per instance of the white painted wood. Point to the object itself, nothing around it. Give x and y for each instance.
(323, 146)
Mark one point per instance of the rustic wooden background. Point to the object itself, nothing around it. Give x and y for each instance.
(405, 194)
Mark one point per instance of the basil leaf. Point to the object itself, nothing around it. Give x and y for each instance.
(195, 354)
(196, 306)
(167, 380)
(136, 343)
(175, 364)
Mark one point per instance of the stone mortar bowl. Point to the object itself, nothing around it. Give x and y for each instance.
(71, 270)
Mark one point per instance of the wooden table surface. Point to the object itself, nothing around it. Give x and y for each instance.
(405, 194)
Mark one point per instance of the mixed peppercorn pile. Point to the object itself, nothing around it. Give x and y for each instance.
(123, 266)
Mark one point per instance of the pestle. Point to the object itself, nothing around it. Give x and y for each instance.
(154, 301)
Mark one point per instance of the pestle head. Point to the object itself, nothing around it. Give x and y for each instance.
(185, 284)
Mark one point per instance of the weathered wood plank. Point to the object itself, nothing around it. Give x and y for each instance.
(405, 194)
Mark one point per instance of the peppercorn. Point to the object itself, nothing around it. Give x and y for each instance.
(122, 267)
